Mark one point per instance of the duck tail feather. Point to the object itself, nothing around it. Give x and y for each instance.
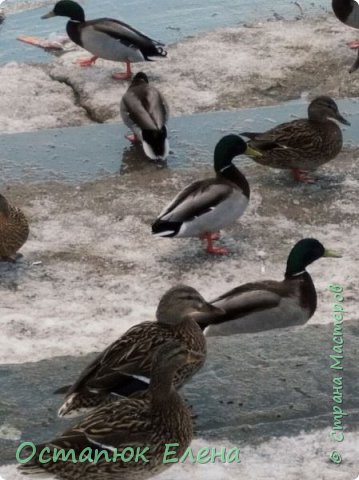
(164, 228)
(155, 143)
(62, 390)
(161, 52)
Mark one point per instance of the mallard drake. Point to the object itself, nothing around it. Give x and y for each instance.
(347, 11)
(258, 306)
(304, 144)
(123, 368)
(145, 111)
(159, 418)
(206, 206)
(14, 230)
(106, 38)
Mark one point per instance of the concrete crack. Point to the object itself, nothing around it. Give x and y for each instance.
(90, 113)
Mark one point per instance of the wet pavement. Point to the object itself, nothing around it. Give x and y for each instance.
(81, 154)
(292, 393)
(168, 23)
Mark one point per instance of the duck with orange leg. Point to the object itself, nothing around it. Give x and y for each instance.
(204, 207)
(304, 144)
(106, 38)
(145, 111)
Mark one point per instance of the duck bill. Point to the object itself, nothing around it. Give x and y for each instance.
(194, 357)
(331, 253)
(342, 120)
(252, 152)
(48, 15)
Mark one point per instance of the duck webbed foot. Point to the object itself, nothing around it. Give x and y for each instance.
(132, 137)
(210, 248)
(213, 235)
(86, 62)
(354, 45)
(123, 75)
(302, 176)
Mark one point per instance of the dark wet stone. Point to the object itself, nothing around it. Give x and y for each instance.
(253, 387)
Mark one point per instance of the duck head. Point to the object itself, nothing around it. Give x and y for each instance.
(67, 8)
(305, 252)
(229, 147)
(324, 108)
(139, 78)
(183, 303)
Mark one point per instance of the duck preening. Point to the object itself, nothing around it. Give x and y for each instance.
(123, 369)
(106, 38)
(206, 206)
(14, 230)
(160, 417)
(145, 111)
(268, 304)
(302, 145)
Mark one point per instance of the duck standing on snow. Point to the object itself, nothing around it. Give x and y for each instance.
(258, 306)
(145, 111)
(347, 11)
(14, 230)
(106, 38)
(123, 369)
(206, 206)
(160, 417)
(302, 145)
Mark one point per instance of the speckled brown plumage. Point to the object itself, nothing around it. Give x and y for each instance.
(159, 418)
(116, 370)
(14, 229)
(303, 143)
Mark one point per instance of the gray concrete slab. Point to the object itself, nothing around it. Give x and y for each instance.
(85, 153)
(252, 387)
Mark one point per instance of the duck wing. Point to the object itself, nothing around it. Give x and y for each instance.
(129, 355)
(127, 35)
(196, 200)
(295, 138)
(107, 427)
(248, 298)
(146, 107)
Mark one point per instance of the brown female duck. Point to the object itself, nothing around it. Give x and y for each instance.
(305, 144)
(123, 369)
(160, 417)
(14, 230)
